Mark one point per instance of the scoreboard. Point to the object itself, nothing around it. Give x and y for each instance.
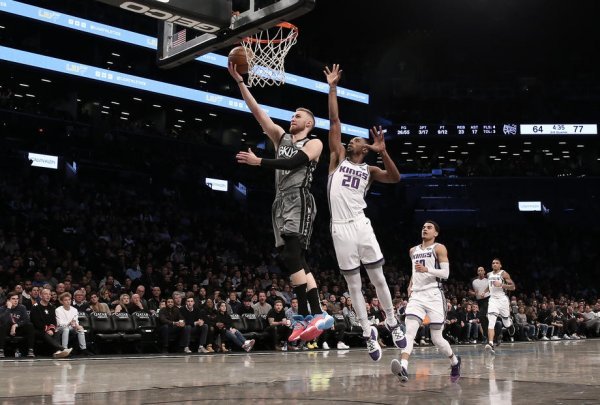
(492, 129)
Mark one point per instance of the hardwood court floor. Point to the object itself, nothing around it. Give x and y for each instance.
(564, 372)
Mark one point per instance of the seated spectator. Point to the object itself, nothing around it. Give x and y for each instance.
(79, 302)
(96, 306)
(123, 305)
(196, 324)
(172, 325)
(574, 323)
(246, 307)
(349, 313)
(279, 326)
(234, 303)
(43, 317)
(452, 328)
(223, 325)
(555, 321)
(34, 295)
(136, 305)
(592, 322)
(526, 329)
(67, 321)
(14, 321)
(154, 301)
(333, 306)
(377, 319)
(262, 307)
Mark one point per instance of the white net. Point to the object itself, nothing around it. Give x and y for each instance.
(266, 51)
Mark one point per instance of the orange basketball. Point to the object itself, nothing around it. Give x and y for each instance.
(237, 56)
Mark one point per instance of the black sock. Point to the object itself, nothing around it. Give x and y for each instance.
(300, 291)
(313, 300)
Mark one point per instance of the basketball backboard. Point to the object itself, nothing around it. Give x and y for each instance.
(178, 44)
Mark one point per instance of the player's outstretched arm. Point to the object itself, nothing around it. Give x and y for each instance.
(390, 174)
(311, 151)
(336, 150)
(272, 130)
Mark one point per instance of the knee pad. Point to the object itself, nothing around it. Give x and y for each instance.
(492, 320)
(292, 254)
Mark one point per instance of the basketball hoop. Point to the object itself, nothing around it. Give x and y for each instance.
(266, 51)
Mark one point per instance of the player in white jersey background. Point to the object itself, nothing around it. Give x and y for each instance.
(353, 237)
(429, 267)
(499, 281)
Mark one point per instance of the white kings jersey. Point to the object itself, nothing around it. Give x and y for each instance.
(496, 291)
(428, 258)
(346, 189)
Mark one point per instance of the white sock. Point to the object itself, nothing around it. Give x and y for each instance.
(453, 360)
(404, 363)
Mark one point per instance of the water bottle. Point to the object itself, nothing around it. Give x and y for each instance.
(17, 353)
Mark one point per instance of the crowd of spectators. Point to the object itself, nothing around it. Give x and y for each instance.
(167, 248)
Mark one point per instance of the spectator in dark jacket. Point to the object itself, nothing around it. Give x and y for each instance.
(14, 321)
(43, 317)
(172, 325)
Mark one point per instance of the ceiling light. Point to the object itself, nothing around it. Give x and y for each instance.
(23, 85)
(441, 157)
(212, 114)
(556, 159)
(198, 119)
(453, 160)
(124, 113)
(47, 80)
(421, 146)
(526, 143)
(424, 157)
(178, 110)
(492, 157)
(181, 121)
(29, 95)
(464, 153)
(562, 143)
(177, 126)
(503, 152)
(207, 76)
(404, 153)
(409, 160)
(581, 146)
(566, 152)
(203, 81)
(105, 106)
(124, 118)
(156, 105)
(115, 54)
(104, 112)
(470, 143)
(109, 62)
(451, 151)
(137, 99)
(419, 151)
(408, 143)
(516, 154)
(502, 146)
(526, 150)
(454, 146)
(115, 102)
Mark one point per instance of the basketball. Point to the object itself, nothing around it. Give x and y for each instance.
(237, 56)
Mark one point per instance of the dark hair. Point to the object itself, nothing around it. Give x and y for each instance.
(12, 294)
(435, 225)
(495, 258)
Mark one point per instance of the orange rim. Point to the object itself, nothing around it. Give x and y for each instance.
(287, 25)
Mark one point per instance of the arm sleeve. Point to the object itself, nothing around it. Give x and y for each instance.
(298, 160)
(442, 272)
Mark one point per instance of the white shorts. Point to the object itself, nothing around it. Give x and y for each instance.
(429, 302)
(499, 306)
(355, 243)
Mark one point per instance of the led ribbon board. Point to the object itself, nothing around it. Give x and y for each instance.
(141, 83)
